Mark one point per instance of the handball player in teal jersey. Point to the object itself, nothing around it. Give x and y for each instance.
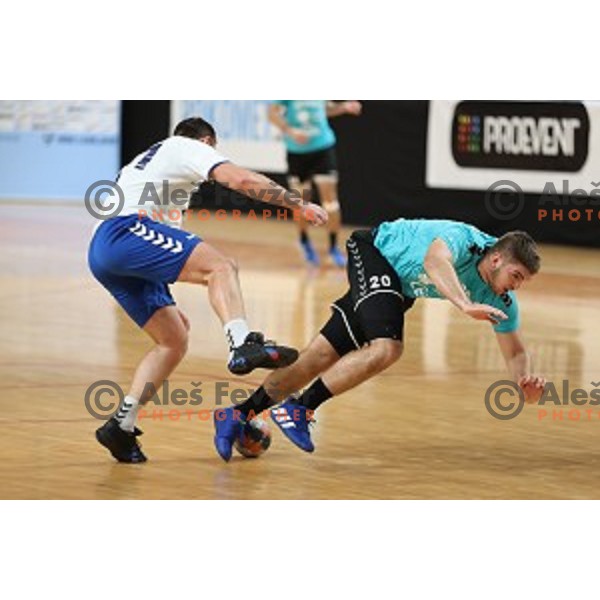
(389, 268)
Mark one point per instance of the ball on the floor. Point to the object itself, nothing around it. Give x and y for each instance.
(254, 439)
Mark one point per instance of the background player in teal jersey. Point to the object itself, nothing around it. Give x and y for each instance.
(310, 144)
(389, 268)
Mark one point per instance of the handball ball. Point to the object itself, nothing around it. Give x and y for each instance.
(254, 439)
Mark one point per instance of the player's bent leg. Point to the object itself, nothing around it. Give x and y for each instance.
(249, 349)
(316, 358)
(135, 271)
(335, 340)
(359, 366)
(169, 330)
(294, 418)
(367, 320)
(313, 360)
(339, 337)
(207, 266)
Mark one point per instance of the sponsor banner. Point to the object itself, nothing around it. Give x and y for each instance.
(472, 144)
(55, 148)
(244, 133)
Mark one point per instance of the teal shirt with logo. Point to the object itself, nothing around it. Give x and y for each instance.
(311, 117)
(404, 244)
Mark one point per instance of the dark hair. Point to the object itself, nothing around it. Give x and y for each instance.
(195, 128)
(520, 247)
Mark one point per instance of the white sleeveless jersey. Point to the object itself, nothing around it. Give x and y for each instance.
(159, 181)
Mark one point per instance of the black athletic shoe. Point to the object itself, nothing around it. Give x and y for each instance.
(256, 353)
(121, 444)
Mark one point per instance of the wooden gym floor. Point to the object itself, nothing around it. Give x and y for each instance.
(420, 430)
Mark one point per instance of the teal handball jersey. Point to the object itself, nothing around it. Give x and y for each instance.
(311, 117)
(404, 244)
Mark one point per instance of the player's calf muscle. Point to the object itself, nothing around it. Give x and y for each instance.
(291, 379)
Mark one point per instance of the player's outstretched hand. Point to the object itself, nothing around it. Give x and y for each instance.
(533, 387)
(485, 312)
(314, 214)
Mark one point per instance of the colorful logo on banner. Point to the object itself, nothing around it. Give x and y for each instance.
(539, 136)
(469, 134)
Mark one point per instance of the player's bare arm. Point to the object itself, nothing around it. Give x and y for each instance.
(262, 188)
(348, 107)
(440, 267)
(520, 365)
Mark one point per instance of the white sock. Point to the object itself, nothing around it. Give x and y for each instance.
(127, 413)
(236, 332)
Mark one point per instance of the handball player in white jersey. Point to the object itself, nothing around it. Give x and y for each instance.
(136, 257)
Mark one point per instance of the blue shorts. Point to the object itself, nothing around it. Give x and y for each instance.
(135, 260)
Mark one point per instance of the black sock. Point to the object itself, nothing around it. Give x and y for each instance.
(315, 395)
(303, 237)
(332, 239)
(256, 403)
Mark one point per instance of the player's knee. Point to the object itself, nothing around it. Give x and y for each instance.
(177, 342)
(332, 207)
(325, 356)
(227, 265)
(385, 352)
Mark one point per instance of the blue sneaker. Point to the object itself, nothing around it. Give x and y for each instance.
(310, 254)
(228, 426)
(337, 258)
(293, 420)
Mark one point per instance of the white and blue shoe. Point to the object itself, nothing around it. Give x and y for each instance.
(293, 420)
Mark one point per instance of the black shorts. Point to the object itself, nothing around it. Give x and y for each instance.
(374, 306)
(306, 166)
